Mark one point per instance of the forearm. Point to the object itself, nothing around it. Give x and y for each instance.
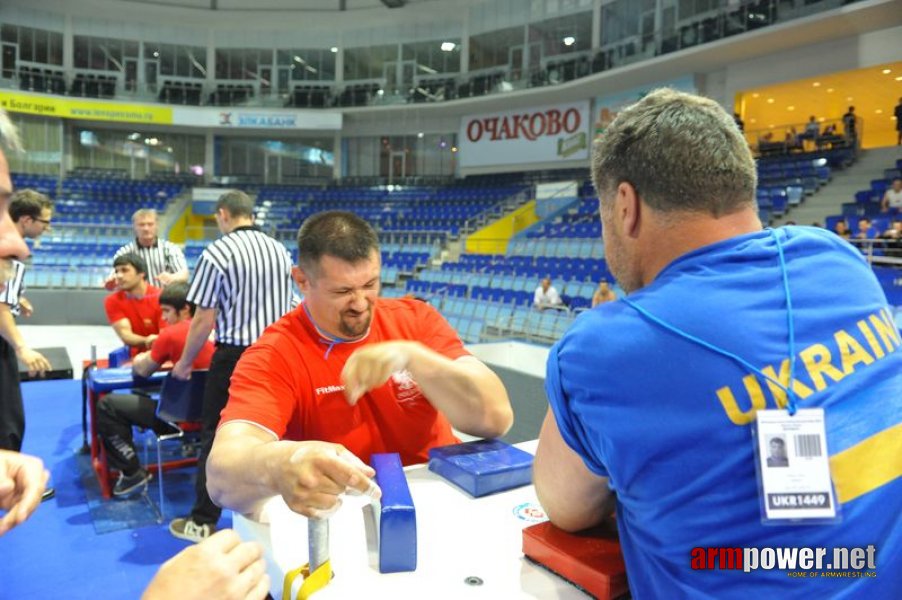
(573, 497)
(198, 334)
(8, 329)
(130, 338)
(242, 472)
(466, 391)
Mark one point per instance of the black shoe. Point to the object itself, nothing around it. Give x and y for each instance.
(126, 484)
(48, 494)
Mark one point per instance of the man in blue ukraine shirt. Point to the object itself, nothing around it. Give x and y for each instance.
(658, 418)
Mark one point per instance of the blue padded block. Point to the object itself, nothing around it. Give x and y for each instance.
(396, 518)
(482, 467)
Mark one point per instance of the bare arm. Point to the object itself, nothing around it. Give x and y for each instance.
(466, 391)
(167, 278)
(573, 496)
(123, 329)
(35, 361)
(247, 466)
(143, 365)
(198, 334)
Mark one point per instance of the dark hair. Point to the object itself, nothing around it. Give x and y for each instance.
(777, 440)
(680, 152)
(28, 203)
(236, 203)
(335, 233)
(176, 296)
(130, 258)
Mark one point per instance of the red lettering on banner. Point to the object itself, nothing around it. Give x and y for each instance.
(571, 114)
(529, 126)
(554, 121)
(505, 132)
(474, 137)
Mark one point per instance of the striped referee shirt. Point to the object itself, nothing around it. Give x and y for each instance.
(15, 287)
(246, 276)
(162, 257)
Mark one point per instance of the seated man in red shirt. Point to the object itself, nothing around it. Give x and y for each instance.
(134, 310)
(116, 413)
(345, 375)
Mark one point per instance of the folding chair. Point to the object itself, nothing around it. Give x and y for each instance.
(181, 406)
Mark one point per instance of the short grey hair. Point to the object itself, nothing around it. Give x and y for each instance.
(681, 152)
(236, 203)
(144, 212)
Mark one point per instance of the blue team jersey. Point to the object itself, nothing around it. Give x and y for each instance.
(668, 421)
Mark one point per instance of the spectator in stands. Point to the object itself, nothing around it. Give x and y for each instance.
(897, 112)
(892, 199)
(117, 413)
(380, 375)
(842, 229)
(893, 237)
(546, 296)
(30, 212)
(657, 419)
(865, 230)
(850, 126)
(134, 309)
(603, 293)
(165, 261)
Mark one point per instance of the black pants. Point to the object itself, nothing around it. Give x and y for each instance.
(116, 414)
(12, 412)
(216, 394)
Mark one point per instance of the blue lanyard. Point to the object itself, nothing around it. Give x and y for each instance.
(790, 394)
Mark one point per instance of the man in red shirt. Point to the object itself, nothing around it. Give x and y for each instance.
(116, 413)
(134, 310)
(345, 375)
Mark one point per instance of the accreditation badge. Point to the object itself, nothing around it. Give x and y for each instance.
(793, 467)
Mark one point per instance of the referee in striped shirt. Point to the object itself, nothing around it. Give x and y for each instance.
(243, 284)
(165, 261)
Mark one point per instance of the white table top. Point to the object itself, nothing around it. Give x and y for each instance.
(457, 537)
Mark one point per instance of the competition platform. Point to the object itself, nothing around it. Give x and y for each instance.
(466, 547)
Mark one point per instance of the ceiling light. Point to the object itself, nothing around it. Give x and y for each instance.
(569, 40)
(770, 100)
(849, 99)
(333, 49)
(420, 135)
(887, 71)
(448, 46)
(755, 95)
(816, 84)
(790, 108)
(453, 148)
(899, 78)
(753, 121)
(829, 90)
(879, 111)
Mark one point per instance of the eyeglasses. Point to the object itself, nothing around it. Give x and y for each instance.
(44, 221)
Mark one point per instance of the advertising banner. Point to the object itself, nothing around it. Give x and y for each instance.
(540, 134)
(88, 110)
(251, 118)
